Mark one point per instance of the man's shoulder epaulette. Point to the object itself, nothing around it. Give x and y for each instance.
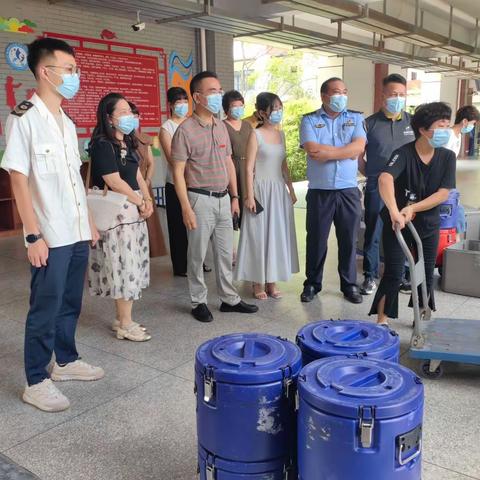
(22, 108)
(310, 113)
(354, 111)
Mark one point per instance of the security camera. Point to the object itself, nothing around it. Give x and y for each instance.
(136, 27)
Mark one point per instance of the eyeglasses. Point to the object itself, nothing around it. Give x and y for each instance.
(71, 70)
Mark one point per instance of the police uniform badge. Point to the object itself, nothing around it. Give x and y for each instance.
(348, 123)
(21, 108)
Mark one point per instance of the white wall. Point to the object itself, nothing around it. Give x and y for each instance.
(397, 69)
(449, 92)
(359, 77)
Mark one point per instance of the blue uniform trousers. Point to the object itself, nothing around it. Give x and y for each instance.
(342, 207)
(55, 304)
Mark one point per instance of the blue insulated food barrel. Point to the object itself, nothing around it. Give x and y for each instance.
(359, 419)
(449, 211)
(327, 338)
(216, 468)
(245, 386)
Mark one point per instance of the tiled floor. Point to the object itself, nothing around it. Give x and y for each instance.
(139, 422)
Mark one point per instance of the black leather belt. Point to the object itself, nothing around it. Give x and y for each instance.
(208, 193)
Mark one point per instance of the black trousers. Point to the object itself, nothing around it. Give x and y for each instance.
(342, 207)
(394, 260)
(373, 228)
(177, 233)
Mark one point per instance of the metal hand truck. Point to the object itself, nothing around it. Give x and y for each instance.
(435, 340)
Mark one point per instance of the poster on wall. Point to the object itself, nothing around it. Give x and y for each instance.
(140, 74)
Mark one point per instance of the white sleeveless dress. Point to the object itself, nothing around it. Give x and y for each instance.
(267, 250)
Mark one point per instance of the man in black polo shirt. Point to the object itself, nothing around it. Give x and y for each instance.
(387, 130)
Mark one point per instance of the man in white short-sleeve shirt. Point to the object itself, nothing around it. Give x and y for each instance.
(42, 158)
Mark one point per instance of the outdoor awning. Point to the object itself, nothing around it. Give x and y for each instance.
(195, 15)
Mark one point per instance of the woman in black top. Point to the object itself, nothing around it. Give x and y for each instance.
(415, 182)
(119, 266)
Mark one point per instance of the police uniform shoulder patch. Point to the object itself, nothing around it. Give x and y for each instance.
(22, 108)
(354, 111)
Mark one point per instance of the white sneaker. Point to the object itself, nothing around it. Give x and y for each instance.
(46, 396)
(76, 370)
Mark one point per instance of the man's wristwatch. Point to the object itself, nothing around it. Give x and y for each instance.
(32, 238)
(232, 197)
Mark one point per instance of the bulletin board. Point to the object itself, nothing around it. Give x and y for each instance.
(139, 72)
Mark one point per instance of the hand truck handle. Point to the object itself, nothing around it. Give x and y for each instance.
(417, 273)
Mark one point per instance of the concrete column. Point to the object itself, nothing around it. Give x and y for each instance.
(449, 92)
(359, 77)
(381, 71)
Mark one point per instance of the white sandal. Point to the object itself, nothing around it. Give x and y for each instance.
(116, 325)
(133, 333)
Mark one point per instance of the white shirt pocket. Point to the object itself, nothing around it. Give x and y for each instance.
(44, 159)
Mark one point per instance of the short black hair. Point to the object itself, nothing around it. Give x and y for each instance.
(394, 78)
(174, 94)
(229, 97)
(326, 83)
(428, 113)
(44, 47)
(468, 112)
(198, 78)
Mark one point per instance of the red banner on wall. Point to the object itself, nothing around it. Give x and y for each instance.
(135, 74)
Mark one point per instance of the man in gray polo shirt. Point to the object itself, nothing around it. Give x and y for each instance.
(206, 185)
(387, 130)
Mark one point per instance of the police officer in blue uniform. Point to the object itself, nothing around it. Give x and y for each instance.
(333, 138)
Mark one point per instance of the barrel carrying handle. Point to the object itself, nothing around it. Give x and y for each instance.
(406, 441)
(413, 456)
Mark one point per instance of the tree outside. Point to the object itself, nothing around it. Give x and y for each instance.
(295, 77)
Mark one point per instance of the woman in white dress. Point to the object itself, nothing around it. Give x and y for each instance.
(267, 251)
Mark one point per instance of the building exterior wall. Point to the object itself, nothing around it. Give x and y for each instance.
(67, 18)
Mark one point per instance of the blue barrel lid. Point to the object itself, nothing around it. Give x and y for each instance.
(342, 385)
(248, 358)
(327, 338)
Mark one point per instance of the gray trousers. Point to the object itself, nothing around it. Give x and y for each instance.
(214, 222)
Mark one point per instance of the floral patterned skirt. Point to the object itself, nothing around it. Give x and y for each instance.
(119, 265)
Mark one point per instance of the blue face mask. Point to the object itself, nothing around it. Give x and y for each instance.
(237, 112)
(338, 103)
(395, 104)
(468, 128)
(180, 109)
(70, 85)
(126, 124)
(136, 123)
(276, 117)
(214, 102)
(440, 137)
